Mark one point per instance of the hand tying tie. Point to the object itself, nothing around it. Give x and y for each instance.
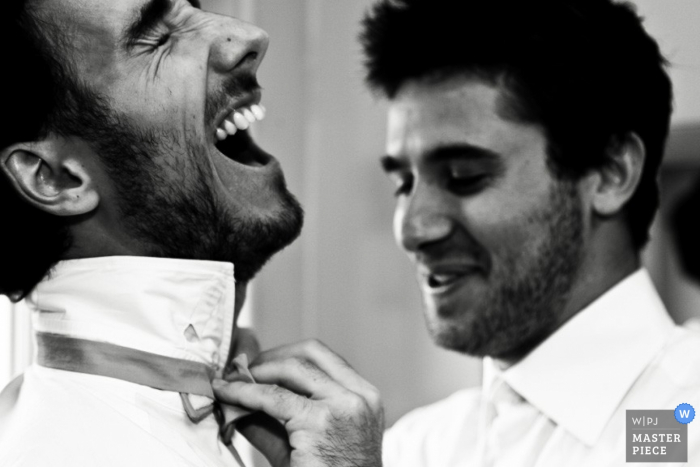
(226, 414)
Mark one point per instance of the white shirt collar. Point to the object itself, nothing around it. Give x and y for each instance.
(580, 374)
(177, 308)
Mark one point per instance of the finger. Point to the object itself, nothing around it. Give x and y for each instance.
(300, 376)
(275, 401)
(268, 436)
(326, 360)
(315, 351)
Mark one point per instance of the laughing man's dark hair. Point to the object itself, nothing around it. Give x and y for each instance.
(38, 95)
(584, 70)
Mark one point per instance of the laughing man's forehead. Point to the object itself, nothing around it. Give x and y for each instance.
(85, 13)
(86, 23)
(90, 29)
(110, 14)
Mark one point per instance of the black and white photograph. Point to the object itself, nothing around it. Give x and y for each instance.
(349, 233)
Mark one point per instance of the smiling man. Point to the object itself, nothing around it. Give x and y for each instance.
(137, 208)
(524, 141)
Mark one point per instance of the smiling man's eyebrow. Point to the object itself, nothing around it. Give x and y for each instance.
(146, 19)
(461, 151)
(391, 164)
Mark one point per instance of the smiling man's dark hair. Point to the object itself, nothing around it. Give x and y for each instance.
(583, 70)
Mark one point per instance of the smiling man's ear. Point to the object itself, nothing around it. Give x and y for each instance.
(51, 175)
(616, 182)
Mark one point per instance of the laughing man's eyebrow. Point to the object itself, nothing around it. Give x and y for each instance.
(149, 16)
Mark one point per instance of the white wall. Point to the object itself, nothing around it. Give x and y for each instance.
(674, 23)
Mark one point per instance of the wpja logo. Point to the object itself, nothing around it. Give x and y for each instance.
(658, 435)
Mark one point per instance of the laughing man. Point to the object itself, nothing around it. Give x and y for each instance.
(127, 175)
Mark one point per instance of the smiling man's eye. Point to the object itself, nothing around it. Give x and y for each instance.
(467, 183)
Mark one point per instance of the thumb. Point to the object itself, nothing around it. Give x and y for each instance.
(268, 436)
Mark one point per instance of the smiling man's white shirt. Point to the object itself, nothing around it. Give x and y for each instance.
(564, 404)
(175, 308)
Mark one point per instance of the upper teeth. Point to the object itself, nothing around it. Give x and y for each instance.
(240, 119)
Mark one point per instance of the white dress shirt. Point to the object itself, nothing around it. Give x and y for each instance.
(564, 404)
(175, 308)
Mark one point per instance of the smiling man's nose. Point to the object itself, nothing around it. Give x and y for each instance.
(238, 45)
(421, 220)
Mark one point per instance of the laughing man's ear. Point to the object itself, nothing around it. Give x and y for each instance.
(51, 175)
(616, 182)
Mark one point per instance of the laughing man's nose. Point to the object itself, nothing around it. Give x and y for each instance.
(238, 45)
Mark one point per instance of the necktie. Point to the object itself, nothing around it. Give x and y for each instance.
(157, 371)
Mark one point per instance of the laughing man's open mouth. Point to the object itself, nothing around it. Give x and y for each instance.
(234, 141)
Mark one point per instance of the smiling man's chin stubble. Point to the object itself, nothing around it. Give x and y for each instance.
(525, 294)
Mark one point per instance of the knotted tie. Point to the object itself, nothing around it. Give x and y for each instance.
(157, 371)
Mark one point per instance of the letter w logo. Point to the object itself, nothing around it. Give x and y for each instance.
(685, 413)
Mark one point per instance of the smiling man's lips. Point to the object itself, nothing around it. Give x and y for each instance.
(441, 278)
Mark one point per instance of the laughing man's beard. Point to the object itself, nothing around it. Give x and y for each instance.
(172, 210)
(527, 292)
